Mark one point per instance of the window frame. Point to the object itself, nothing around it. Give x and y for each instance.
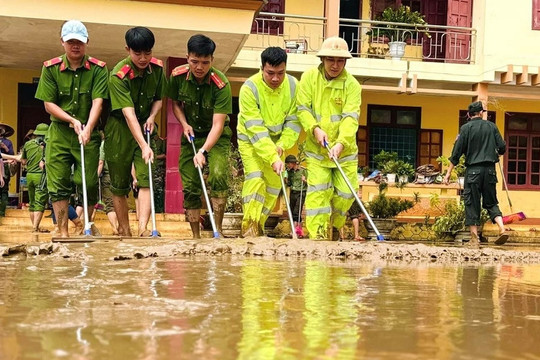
(526, 133)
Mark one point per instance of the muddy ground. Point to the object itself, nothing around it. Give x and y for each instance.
(372, 251)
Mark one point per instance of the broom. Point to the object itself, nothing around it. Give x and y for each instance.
(514, 217)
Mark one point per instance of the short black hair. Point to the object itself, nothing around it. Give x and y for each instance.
(139, 39)
(273, 56)
(201, 45)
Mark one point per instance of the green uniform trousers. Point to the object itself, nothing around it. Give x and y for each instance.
(158, 175)
(328, 195)
(260, 191)
(64, 151)
(106, 193)
(121, 150)
(218, 165)
(37, 196)
(480, 186)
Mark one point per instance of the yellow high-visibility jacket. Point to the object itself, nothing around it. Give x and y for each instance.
(267, 116)
(334, 106)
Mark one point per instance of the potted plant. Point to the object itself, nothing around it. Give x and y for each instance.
(383, 157)
(408, 26)
(452, 223)
(459, 169)
(363, 172)
(404, 171)
(391, 168)
(383, 210)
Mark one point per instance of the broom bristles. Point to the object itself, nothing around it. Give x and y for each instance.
(509, 219)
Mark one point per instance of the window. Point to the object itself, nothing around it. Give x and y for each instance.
(522, 151)
(394, 128)
(362, 142)
(536, 15)
(270, 25)
(430, 147)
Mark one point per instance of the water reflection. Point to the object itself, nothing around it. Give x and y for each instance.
(238, 308)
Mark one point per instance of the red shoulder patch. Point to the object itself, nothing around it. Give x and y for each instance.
(156, 61)
(97, 62)
(53, 61)
(179, 70)
(123, 71)
(217, 80)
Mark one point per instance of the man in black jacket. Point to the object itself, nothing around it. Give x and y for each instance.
(481, 143)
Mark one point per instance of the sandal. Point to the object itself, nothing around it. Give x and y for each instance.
(359, 238)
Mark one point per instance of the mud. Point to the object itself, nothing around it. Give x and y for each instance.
(274, 248)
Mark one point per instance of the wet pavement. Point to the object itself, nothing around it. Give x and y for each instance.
(266, 299)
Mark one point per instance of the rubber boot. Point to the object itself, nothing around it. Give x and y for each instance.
(192, 216)
(218, 206)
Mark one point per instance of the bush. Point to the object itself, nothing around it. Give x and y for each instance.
(382, 207)
(454, 220)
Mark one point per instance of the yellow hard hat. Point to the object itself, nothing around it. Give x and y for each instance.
(336, 47)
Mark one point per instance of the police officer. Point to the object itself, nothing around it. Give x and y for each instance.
(33, 156)
(6, 148)
(328, 107)
(267, 125)
(72, 87)
(481, 143)
(202, 99)
(137, 85)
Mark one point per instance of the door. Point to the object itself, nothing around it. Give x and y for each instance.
(434, 47)
(458, 43)
(350, 9)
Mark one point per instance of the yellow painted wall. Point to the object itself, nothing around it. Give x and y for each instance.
(10, 79)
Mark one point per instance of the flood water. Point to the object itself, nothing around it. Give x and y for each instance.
(230, 307)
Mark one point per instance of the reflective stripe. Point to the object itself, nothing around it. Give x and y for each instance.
(319, 187)
(254, 122)
(335, 118)
(354, 115)
(272, 190)
(242, 137)
(275, 128)
(294, 127)
(266, 211)
(254, 175)
(256, 197)
(318, 117)
(345, 195)
(291, 118)
(348, 158)
(292, 85)
(254, 89)
(339, 212)
(313, 212)
(315, 156)
(259, 136)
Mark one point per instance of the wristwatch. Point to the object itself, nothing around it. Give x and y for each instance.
(203, 151)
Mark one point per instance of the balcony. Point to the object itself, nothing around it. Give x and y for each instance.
(367, 38)
(448, 44)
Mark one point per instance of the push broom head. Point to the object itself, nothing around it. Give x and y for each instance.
(512, 218)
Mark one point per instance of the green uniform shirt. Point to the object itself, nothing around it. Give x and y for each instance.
(33, 153)
(73, 90)
(295, 179)
(130, 88)
(480, 141)
(201, 101)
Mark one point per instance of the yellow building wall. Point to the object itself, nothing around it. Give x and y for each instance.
(10, 79)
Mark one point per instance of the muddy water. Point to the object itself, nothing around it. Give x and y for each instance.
(90, 306)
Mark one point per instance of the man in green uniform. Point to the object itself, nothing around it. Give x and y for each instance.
(297, 179)
(137, 85)
(33, 156)
(202, 99)
(267, 125)
(481, 143)
(72, 87)
(328, 107)
(159, 147)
